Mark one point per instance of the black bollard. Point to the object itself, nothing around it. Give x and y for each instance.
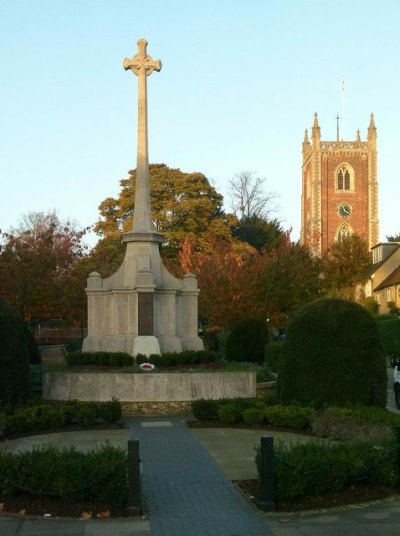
(134, 478)
(267, 474)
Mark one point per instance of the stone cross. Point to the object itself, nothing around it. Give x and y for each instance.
(142, 65)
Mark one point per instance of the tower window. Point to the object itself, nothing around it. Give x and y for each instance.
(343, 232)
(343, 179)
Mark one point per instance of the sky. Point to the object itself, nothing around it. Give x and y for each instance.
(240, 83)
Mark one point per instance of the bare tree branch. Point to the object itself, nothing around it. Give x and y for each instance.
(249, 197)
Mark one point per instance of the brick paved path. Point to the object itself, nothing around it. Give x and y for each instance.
(186, 493)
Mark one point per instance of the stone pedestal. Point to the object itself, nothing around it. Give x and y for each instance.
(142, 308)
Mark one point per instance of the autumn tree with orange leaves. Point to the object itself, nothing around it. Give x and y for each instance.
(37, 260)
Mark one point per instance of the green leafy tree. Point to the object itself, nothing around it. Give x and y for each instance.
(260, 233)
(343, 266)
(183, 205)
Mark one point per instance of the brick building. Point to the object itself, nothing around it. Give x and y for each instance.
(340, 189)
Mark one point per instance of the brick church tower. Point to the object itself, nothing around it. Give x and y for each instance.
(340, 189)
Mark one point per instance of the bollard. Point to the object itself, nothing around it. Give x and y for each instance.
(134, 479)
(267, 502)
(397, 432)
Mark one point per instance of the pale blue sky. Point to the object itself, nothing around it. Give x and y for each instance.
(240, 83)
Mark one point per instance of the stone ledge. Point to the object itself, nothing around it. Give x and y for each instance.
(148, 387)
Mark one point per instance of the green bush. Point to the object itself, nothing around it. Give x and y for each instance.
(173, 359)
(110, 411)
(273, 352)
(289, 416)
(205, 409)
(247, 341)
(230, 413)
(312, 468)
(69, 474)
(332, 354)
(112, 359)
(86, 414)
(42, 417)
(355, 424)
(389, 333)
(14, 357)
(253, 416)
(33, 349)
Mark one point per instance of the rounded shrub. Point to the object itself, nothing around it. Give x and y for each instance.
(14, 357)
(247, 341)
(332, 355)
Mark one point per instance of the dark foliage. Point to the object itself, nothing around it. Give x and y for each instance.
(14, 357)
(247, 341)
(332, 355)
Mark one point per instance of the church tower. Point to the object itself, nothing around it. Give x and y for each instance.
(340, 189)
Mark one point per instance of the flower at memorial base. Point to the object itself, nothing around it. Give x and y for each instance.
(148, 367)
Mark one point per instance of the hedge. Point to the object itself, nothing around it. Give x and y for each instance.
(99, 474)
(111, 359)
(332, 355)
(173, 359)
(314, 467)
(43, 417)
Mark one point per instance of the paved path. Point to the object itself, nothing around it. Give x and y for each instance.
(186, 493)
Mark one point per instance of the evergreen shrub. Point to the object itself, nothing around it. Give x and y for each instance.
(230, 413)
(355, 424)
(42, 417)
(112, 359)
(14, 357)
(389, 332)
(314, 467)
(173, 359)
(99, 474)
(273, 352)
(247, 341)
(332, 355)
(205, 409)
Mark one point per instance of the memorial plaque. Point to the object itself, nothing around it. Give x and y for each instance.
(145, 313)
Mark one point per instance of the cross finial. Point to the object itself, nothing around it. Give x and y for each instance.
(141, 62)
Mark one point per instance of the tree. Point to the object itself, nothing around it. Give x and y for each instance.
(332, 355)
(261, 234)
(183, 205)
(393, 238)
(249, 198)
(14, 357)
(236, 284)
(36, 261)
(344, 264)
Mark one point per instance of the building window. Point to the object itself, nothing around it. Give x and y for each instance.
(343, 231)
(368, 289)
(389, 295)
(345, 178)
(378, 298)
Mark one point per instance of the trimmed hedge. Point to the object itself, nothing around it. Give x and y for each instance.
(99, 474)
(332, 355)
(112, 359)
(43, 417)
(173, 359)
(247, 341)
(389, 333)
(312, 468)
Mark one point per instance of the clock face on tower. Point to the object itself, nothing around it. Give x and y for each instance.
(344, 210)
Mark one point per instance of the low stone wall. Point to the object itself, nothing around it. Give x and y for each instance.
(148, 387)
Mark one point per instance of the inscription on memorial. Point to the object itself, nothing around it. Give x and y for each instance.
(145, 314)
